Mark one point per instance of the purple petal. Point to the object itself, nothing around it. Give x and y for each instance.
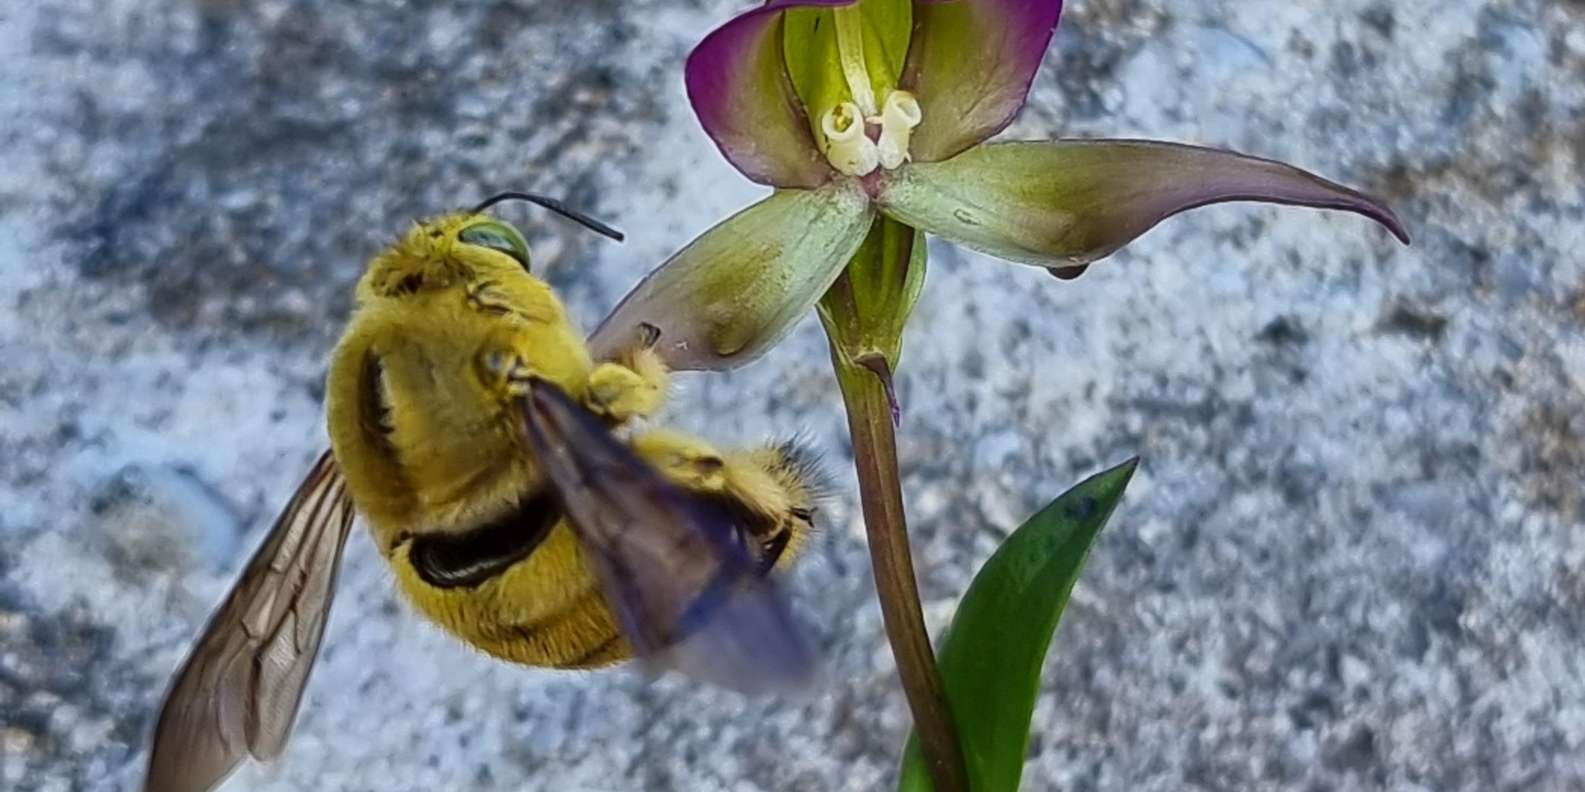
(737, 81)
(739, 287)
(970, 65)
(1067, 203)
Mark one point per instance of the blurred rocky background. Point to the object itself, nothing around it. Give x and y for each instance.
(1351, 559)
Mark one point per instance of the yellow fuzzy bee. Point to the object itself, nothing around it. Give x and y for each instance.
(501, 476)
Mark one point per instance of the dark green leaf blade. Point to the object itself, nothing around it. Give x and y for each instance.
(991, 658)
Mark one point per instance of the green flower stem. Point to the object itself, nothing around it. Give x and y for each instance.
(880, 489)
(863, 315)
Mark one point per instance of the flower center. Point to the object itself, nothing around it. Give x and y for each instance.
(849, 147)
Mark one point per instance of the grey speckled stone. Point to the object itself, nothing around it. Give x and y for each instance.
(1351, 560)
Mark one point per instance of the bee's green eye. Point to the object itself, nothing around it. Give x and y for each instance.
(497, 236)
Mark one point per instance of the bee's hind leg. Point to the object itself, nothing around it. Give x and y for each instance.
(776, 492)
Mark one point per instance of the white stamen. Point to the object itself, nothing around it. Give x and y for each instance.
(898, 119)
(848, 149)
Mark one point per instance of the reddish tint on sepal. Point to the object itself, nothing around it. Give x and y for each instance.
(738, 85)
(970, 64)
(1066, 203)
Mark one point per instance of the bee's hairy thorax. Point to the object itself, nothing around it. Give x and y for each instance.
(421, 416)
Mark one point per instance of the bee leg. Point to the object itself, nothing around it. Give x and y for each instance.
(689, 462)
(483, 296)
(649, 335)
(695, 465)
(630, 388)
(486, 296)
(489, 297)
(506, 372)
(772, 491)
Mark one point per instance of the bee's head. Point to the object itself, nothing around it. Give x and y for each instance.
(443, 250)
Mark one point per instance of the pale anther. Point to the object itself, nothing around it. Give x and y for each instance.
(899, 116)
(848, 148)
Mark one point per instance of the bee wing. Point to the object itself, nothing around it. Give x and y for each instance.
(672, 564)
(239, 689)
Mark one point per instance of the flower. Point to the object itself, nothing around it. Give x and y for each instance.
(849, 108)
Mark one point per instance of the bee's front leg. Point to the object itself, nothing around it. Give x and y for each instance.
(491, 297)
(630, 388)
(512, 360)
(505, 373)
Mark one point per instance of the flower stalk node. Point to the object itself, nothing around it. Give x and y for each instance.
(878, 365)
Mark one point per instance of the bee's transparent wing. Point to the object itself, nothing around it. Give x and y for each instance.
(684, 589)
(238, 692)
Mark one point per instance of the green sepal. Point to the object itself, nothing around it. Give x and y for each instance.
(736, 289)
(809, 44)
(1066, 203)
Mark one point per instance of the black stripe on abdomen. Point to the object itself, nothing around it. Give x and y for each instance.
(470, 558)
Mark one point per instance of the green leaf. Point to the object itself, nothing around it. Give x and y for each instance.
(991, 658)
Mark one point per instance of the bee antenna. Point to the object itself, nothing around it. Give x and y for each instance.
(553, 205)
